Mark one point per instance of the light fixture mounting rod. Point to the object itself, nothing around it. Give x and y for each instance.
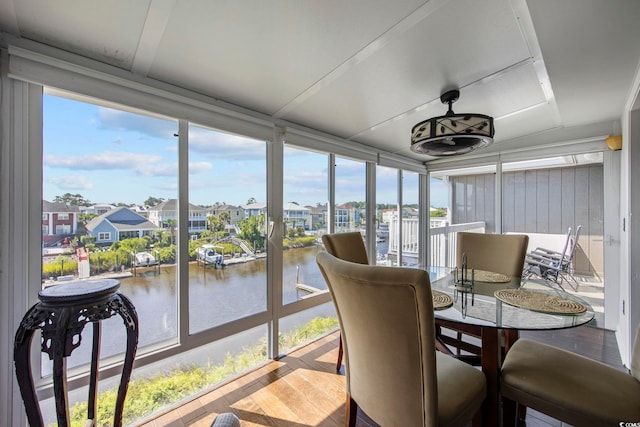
(450, 97)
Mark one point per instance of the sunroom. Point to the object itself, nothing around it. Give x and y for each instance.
(297, 117)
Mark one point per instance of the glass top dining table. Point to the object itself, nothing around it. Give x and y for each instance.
(487, 315)
(482, 308)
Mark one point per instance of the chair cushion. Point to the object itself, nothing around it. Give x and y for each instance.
(569, 387)
(461, 390)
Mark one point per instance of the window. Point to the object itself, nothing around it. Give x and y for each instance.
(305, 196)
(386, 213)
(93, 154)
(228, 280)
(411, 220)
(63, 229)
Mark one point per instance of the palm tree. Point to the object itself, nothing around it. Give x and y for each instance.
(225, 218)
(171, 224)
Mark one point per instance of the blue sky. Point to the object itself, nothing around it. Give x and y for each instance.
(110, 156)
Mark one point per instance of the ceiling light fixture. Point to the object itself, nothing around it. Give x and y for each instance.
(452, 134)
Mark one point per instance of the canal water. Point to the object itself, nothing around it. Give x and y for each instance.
(216, 296)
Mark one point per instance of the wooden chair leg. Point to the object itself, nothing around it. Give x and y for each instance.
(508, 412)
(522, 413)
(352, 411)
(340, 353)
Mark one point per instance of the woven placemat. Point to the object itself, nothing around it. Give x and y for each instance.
(441, 300)
(486, 276)
(539, 301)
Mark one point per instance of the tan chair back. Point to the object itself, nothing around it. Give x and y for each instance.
(635, 358)
(499, 253)
(387, 324)
(346, 246)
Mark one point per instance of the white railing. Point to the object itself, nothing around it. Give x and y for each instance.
(442, 241)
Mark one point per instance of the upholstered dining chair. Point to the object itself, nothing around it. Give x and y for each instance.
(349, 247)
(393, 372)
(497, 253)
(569, 387)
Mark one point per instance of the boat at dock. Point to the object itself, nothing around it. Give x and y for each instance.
(144, 259)
(209, 255)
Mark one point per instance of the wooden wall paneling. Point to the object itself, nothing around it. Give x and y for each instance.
(596, 216)
(555, 202)
(508, 202)
(582, 202)
(568, 198)
(481, 201)
(490, 204)
(542, 201)
(470, 184)
(520, 201)
(459, 201)
(530, 201)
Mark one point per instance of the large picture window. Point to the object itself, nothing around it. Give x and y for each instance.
(194, 263)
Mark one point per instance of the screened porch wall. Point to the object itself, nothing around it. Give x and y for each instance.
(473, 200)
(540, 202)
(549, 201)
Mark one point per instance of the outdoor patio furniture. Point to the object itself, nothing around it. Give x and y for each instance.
(551, 266)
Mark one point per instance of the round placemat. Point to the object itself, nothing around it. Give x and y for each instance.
(441, 300)
(539, 301)
(485, 276)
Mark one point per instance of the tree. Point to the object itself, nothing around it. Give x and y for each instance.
(171, 224)
(72, 199)
(251, 200)
(225, 218)
(251, 229)
(439, 213)
(153, 201)
(83, 220)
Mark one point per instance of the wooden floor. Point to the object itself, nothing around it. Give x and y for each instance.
(303, 389)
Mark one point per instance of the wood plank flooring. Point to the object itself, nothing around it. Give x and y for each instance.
(303, 389)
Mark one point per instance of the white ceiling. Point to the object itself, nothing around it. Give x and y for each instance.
(365, 70)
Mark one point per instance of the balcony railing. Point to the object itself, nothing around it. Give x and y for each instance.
(442, 241)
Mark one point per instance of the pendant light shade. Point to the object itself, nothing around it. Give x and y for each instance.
(452, 134)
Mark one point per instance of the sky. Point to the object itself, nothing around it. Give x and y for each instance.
(113, 156)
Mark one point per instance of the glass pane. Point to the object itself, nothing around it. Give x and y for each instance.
(106, 173)
(303, 327)
(305, 192)
(463, 202)
(157, 386)
(227, 210)
(411, 221)
(386, 213)
(350, 195)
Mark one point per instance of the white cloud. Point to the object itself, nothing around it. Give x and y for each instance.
(71, 182)
(124, 121)
(100, 161)
(226, 146)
